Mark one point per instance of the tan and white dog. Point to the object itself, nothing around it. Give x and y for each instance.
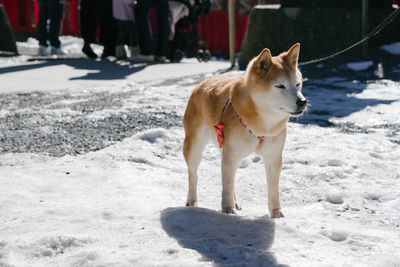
(245, 114)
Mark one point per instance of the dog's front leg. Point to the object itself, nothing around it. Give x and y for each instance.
(228, 169)
(273, 165)
(272, 157)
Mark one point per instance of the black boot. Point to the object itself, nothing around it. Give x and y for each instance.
(88, 51)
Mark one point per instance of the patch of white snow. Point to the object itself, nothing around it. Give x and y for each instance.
(393, 48)
(360, 66)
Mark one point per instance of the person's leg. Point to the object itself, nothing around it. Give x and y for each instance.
(132, 40)
(88, 27)
(163, 27)
(129, 29)
(123, 33)
(108, 36)
(88, 22)
(133, 34)
(56, 12)
(42, 23)
(143, 27)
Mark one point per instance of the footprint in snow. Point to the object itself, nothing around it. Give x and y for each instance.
(335, 197)
(335, 163)
(334, 235)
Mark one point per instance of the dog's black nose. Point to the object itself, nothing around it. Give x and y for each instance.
(301, 102)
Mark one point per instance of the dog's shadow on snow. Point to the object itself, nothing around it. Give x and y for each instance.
(220, 238)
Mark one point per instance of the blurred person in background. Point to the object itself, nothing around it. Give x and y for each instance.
(123, 13)
(147, 51)
(51, 10)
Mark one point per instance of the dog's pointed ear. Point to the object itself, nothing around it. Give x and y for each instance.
(292, 55)
(263, 61)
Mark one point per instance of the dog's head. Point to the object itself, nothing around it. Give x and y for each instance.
(275, 82)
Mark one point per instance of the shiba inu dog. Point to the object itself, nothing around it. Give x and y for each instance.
(244, 114)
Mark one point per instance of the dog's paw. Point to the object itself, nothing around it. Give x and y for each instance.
(191, 203)
(276, 213)
(237, 206)
(229, 210)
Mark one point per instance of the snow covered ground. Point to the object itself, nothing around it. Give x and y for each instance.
(122, 203)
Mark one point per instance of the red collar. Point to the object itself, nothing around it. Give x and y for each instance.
(218, 128)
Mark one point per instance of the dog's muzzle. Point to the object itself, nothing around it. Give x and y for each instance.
(301, 103)
(301, 107)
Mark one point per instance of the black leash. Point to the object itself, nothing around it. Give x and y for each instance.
(228, 102)
(374, 32)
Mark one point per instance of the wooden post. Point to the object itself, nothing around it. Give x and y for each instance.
(232, 36)
(364, 21)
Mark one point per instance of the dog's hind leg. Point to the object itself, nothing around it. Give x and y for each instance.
(193, 146)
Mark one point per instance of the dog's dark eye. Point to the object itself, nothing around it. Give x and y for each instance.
(297, 85)
(280, 86)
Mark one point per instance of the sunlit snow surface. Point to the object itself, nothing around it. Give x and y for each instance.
(123, 205)
(70, 45)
